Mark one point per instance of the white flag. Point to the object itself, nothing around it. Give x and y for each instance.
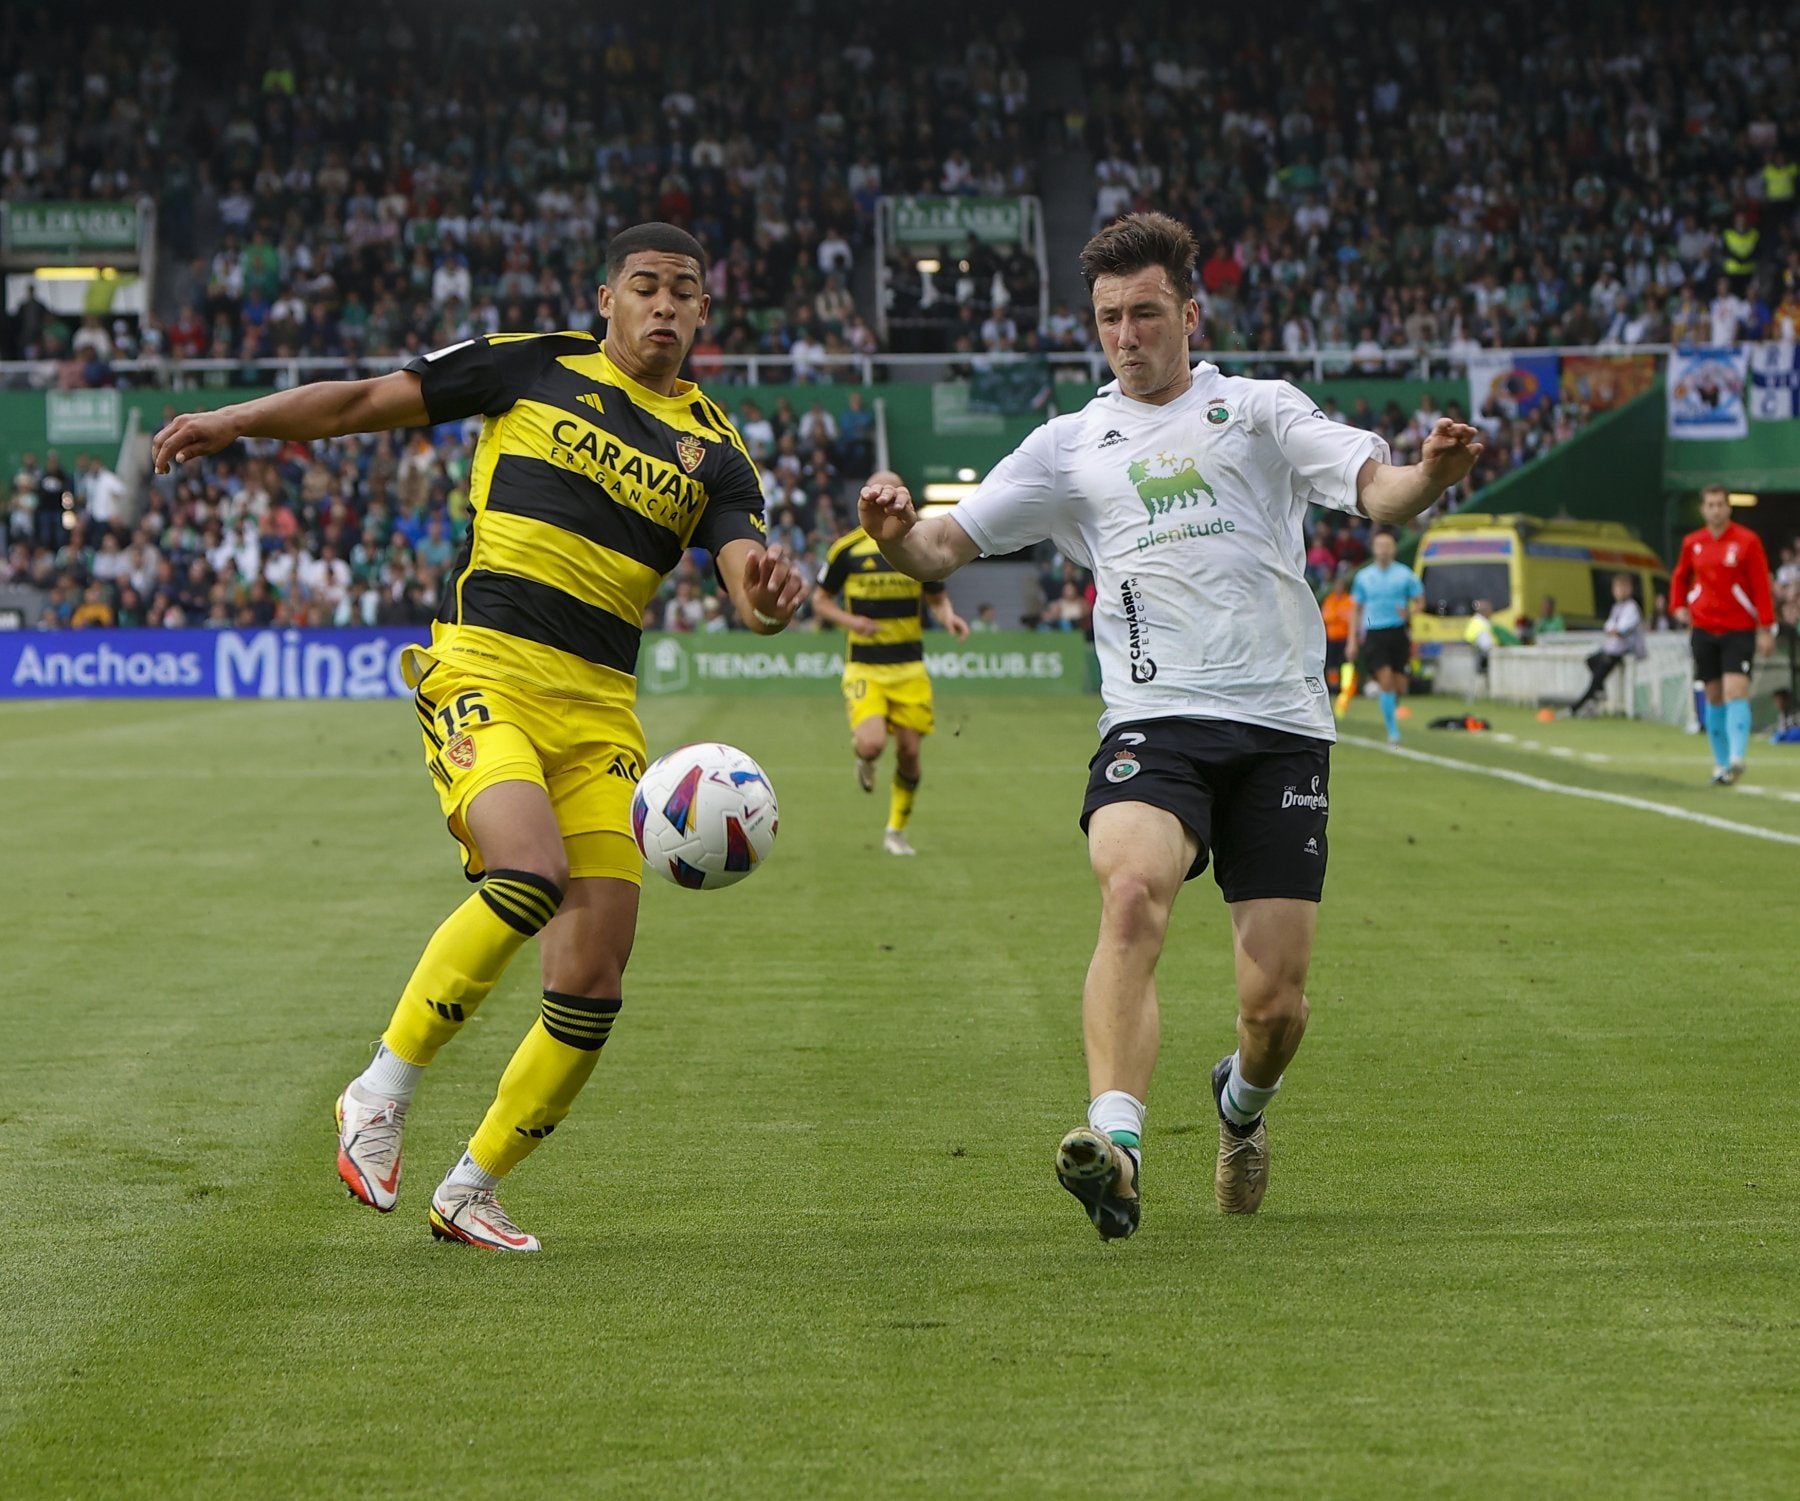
(1705, 389)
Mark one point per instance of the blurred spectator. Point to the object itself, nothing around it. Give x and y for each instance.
(856, 438)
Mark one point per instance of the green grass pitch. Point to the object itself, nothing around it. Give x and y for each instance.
(1530, 1231)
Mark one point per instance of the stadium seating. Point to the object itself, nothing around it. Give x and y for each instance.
(1358, 193)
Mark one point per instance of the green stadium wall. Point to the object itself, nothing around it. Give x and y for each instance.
(1768, 459)
(24, 424)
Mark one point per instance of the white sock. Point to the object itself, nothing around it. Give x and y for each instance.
(1243, 1101)
(391, 1076)
(469, 1174)
(1114, 1112)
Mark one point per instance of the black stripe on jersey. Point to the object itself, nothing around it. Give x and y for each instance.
(727, 430)
(887, 609)
(562, 388)
(447, 605)
(888, 654)
(535, 488)
(537, 612)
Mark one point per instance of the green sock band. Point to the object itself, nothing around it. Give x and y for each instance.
(1126, 1139)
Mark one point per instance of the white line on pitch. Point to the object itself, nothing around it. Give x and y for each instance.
(1591, 794)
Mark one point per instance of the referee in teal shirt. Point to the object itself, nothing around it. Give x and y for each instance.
(1386, 593)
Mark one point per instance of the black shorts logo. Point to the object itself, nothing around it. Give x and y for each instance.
(1313, 799)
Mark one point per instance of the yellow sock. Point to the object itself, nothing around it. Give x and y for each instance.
(464, 960)
(900, 804)
(1348, 691)
(540, 1084)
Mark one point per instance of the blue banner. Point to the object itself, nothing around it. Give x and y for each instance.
(1775, 382)
(1511, 385)
(205, 664)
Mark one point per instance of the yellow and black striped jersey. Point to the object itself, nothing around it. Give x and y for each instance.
(870, 585)
(585, 488)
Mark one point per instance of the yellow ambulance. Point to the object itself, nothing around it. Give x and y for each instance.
(1514, 561)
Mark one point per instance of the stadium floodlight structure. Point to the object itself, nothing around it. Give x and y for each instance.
(943, 225)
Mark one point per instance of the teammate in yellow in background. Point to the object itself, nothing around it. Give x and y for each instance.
(886, 687)
(596, 467)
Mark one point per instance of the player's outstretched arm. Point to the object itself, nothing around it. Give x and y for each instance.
(764, 587)
(329, 409)
(925, 549)
(947, 616)
(1395, 493)
(832, 613)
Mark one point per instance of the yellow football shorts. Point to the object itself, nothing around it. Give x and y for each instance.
(903, 700)
(479, 731)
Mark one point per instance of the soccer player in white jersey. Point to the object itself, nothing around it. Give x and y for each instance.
(1186, 492)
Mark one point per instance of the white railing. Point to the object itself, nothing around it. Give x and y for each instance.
(1658, 686)
(864, 370)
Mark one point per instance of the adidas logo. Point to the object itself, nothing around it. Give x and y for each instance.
(1113, 435)
(589, 399)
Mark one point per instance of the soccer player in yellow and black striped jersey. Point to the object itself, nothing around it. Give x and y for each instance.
(597, 465)
(886, 687)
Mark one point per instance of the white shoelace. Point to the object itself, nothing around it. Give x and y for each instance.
(378, 1134)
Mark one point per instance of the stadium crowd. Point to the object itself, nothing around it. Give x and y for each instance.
(1529, 176)
(346, 204)
(1596, 179)
(1588, 177)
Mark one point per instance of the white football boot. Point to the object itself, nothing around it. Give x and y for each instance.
(369, 1146)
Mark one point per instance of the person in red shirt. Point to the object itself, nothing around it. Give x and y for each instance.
(1721, 589)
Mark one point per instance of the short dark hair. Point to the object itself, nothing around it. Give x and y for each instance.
(1138, 241)
(1715, 488)
(656, 236)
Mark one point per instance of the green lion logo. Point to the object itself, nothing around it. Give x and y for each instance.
(1162, 493)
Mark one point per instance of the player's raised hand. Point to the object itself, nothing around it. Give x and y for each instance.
(773, 586)
(1449, 452)
(861, 625)
(191, 436)
(957, 626)
(886, 512)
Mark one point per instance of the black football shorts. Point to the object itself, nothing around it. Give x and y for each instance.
(1255, 798)
(1716, 655)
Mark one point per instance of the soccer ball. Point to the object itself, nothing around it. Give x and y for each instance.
(704, 816)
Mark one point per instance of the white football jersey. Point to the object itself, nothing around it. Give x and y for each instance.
(1192, 518)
